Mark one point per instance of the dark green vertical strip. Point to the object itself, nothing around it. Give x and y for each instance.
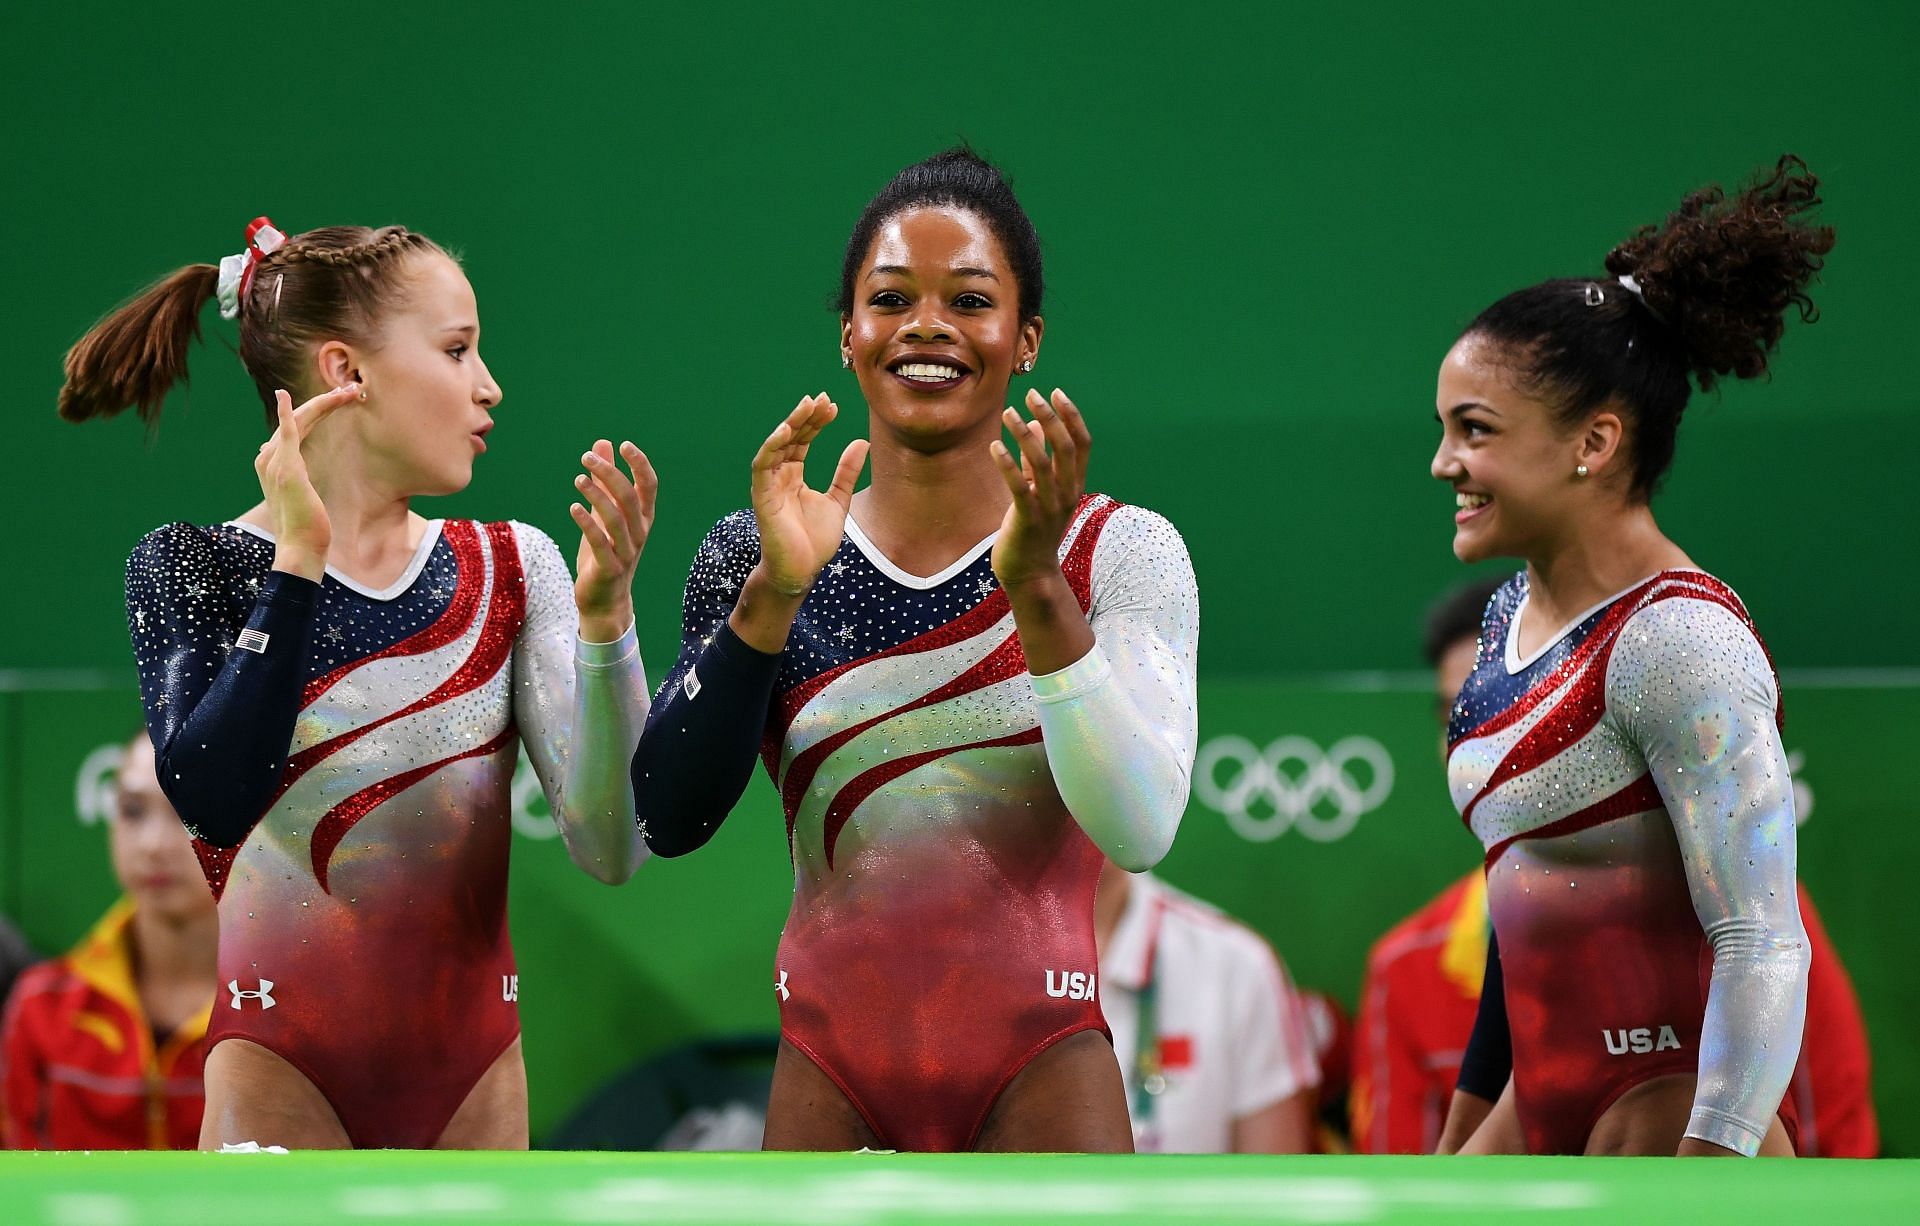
(11, 816)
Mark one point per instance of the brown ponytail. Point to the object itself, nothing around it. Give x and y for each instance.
(132, 357)
(332, 283)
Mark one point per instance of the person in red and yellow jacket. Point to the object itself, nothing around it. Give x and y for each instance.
(103, 1048)
(1424, 979)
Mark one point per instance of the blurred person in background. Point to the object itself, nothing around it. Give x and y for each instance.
(1215, 1045)
(16, 955)
(103, 1048)
(1424, 986)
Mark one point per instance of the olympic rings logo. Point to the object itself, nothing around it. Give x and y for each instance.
(94, 799)
(1292, 783)
(531, 817)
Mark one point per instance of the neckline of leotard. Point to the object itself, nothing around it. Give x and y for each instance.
(1517, 665)
(918, 582)
(414, 565)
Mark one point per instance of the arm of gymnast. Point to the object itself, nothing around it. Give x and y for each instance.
(697, 754)
(1486, 1073)
(579, 706)
(1704, 705)
(1121, 723)
(221, 712)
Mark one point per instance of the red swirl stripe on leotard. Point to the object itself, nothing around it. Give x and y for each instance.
(506, 611)
(1640, 796)
(1008, 659)
(848, 798)
(450, 625)
(347, 814)
(975, 620)
(1585, 703)
(1705, 586)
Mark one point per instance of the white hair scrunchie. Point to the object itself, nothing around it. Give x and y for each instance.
(236, 271)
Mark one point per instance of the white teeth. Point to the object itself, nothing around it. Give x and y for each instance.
(1466, 501)
(927, 372)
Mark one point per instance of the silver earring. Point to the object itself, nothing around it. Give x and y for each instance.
(846, 361)
(1579, 470)
(1026, 367)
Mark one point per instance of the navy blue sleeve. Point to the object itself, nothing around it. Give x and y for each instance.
(703, 733)
(220, 680)
(1488, 1060)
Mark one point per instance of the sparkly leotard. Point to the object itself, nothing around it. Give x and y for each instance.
(344, 759)
(946, 812)
(1631, 790)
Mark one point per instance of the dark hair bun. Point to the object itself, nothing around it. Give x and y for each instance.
(960, 178)
(1722, 272)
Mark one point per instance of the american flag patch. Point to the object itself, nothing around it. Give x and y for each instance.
(252, 640)
(691, 684)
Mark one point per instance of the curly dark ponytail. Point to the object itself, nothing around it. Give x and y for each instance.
(1711, 288)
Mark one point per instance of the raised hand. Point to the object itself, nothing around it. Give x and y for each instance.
(612, 536)
(302, 532)
(1046, 482)
(800, 527)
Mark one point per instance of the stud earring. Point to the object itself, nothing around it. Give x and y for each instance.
(1579, 470)
(1026, 367)
(846, 361)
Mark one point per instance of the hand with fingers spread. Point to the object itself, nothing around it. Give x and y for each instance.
(1046, 482)
(612, 535)
(302, 532)
(800, 527)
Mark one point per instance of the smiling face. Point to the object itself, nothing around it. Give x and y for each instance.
(152, 852)
(430, 397)
(1509, 461)
(935, 333)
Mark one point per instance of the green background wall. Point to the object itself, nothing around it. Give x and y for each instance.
(1264, 224)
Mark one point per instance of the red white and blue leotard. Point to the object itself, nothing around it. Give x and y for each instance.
(946, 812)
(1630, 786)
(344, 758)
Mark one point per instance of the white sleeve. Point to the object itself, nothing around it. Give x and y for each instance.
(1121, 722)
(580, 708)
(1697, 695)
(1275, 1059)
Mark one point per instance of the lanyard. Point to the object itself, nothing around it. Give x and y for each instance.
(1149, 1081)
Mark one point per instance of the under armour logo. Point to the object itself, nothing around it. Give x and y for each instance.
(264, 994)
(781, 987)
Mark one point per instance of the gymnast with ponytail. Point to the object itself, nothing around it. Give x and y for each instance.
(1617, 748)
(338, 690)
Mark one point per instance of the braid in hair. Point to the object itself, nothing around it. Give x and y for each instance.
(327, 284)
